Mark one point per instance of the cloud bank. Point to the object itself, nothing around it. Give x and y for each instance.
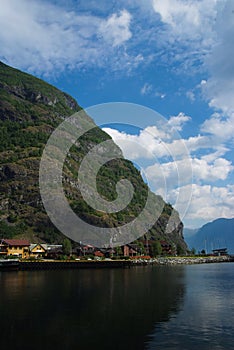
(168, 170)
(44, 38)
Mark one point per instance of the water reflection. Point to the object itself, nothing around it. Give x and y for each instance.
(207, 318)
(107, 309)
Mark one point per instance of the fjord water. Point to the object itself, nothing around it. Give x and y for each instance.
(153, 307)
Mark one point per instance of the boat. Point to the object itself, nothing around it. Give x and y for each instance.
(9, 264)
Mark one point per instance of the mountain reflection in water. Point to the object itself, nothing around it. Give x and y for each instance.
(206, 319)
(100, 308)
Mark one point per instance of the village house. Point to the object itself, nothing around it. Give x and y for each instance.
(54, 251)
(99, 254)
(87, 249)
(38, 250)
(167, 248)
(130, 250)
(23, 249)
(15, 247)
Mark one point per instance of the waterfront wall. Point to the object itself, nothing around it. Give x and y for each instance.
(58, 265)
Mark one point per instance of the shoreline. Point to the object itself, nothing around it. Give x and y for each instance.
(55, 264)
(189, 260)
(61, 265)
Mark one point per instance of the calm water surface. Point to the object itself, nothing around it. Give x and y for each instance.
(145, 308)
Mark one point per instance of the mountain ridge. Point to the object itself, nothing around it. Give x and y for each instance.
(213, 235)
(30, 109)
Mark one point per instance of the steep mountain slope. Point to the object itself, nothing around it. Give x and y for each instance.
(216, 234)
(30, 110)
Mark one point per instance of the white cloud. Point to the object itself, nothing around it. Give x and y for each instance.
(115, 30)
(41, 37)
(160, 94)
(195, 143)
(178, 121)
(173, 181)
(149, 90)
(220, 86)
(153, 142)
(175, 12)
(178, 173)
(222, 127)
(218, 89)
(157, 134)
(197, 35)
(187, 18)
(135, 147)
(219, 169)
(146, 89)
(190, 95)
(206, 29)
(211, 157)
(44, 38)
(171, 171)
(164, 141)
(208, 203)
(203, 82)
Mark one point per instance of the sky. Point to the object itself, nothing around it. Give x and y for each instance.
(172, 56)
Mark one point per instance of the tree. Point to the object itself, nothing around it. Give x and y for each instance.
(141, 248)
(67, 246)
(193, 251)
(180, 250)
(118, 251)
(156, 248)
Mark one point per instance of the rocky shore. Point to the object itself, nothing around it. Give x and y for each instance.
(194, 260)
(184, 260)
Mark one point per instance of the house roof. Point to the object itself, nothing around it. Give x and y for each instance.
(133, 246)
(54, 246)
(98, 253)
(34, 245)
(16, 242)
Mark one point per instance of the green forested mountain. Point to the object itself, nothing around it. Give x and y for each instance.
(30, 110)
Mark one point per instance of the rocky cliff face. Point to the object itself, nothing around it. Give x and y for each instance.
(30, 110)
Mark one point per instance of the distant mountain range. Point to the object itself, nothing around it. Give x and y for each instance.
(216, 234)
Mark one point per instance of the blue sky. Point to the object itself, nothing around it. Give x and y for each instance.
(173, 56)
